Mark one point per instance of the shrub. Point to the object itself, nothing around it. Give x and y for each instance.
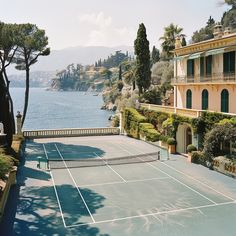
(115, 121)
(198, 157)
(164, 138)
(6, 164)
(191, 148)
(149, 132)
(171, 141)
(132, 119)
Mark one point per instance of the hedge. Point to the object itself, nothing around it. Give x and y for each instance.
(148, 130)
(132, 119)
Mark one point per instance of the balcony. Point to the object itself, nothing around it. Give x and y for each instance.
(214, 78)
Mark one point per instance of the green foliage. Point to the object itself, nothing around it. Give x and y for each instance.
(120, 85)
(215, 139)
(229, 18)
(113, 60)
(132, 119)
(168, 39)
(155, 55)
(155, 117)
(162, 72)
(6, 164)
(171, 141)
(115, 121)
(142, 72)
(152, 96)
(191, 148)
(150, 133)
(198, 158)
(129, 70)
(205, 32)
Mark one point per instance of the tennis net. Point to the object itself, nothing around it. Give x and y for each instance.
(88, 162)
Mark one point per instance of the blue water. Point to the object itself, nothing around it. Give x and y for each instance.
(49, 109)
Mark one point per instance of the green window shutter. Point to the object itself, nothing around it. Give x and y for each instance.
(202, 66)
(208, 65)
(189, 99)
(190, 68)
(226, 62)
(224, 100)
(205, 99)
(232, 62)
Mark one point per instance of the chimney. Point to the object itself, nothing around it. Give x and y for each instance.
(218, 31)
(178, 42)
(227, 31)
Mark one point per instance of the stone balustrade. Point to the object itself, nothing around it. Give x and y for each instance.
(76, 132)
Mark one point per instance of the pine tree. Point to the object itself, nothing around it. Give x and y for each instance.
(141, 47)
(120, 72)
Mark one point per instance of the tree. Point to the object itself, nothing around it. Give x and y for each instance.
(120, 72)
(129, 68)
(8, 49)
(32, 43)
(107, 75)
(168, 44)
(155, 55)
(204, 33)
(141, 47)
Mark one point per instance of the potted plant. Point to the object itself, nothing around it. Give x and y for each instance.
(171, 145)
(190, 148)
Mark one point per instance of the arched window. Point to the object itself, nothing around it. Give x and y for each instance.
(189, 99)
(224, 100)
(204, 99)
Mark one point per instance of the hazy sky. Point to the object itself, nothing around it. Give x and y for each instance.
(71, 23)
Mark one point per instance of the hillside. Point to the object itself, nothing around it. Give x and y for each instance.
(59, 59)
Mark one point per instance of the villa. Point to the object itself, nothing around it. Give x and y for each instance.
(204, 79)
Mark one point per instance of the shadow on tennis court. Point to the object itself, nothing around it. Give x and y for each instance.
(71, 151)
(35, 212)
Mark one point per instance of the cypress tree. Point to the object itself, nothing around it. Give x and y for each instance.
(142, 52)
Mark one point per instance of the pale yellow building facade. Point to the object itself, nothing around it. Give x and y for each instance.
(204, 74)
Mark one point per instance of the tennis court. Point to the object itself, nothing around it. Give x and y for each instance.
(140, 195)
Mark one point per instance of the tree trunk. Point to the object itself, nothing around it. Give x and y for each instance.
(12, 117)
(26, 95)
(5, 113)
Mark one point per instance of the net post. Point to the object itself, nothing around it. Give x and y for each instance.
(158, 155)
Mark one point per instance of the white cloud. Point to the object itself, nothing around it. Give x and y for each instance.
(103, 32)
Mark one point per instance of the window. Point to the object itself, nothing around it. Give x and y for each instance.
(224, 100)
(204, 99)
(190, 68)
(229, 62)
(189, 99)
(208, 65)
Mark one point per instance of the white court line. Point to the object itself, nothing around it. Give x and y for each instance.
(190, 177)
(152, 214)
(182, 183)
(127, 181)
(111, 168)
(75, 185)
(53, 182)
(174, 178)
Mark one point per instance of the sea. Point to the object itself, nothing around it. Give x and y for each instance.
(55, 110)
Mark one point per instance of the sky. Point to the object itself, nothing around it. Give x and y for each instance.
(70, 23)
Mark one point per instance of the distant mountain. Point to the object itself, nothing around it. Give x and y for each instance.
(59, 59)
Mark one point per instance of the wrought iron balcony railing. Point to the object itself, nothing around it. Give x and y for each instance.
(209, 78)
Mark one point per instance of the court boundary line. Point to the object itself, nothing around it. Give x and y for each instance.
(190, 177)
(54, 186)
(111, 168)
(127, 181)
(153, 213)
(75, 185)
(180, 182)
